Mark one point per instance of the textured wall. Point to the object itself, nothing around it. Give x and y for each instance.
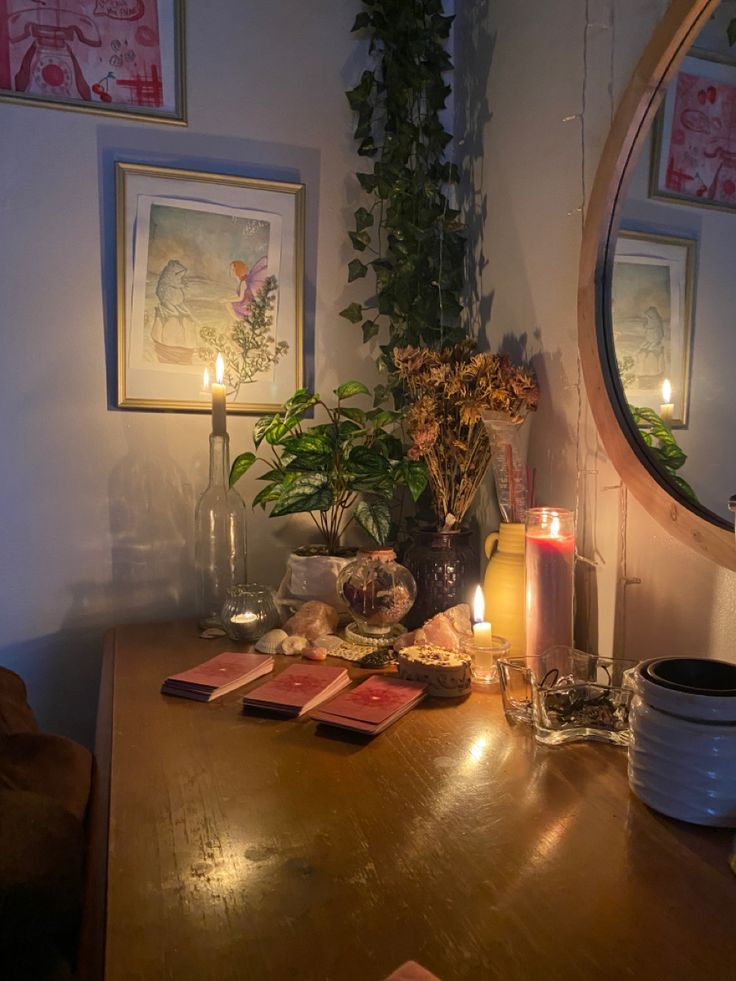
(95, 504)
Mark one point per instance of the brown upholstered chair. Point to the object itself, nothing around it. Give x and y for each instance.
(44, 790)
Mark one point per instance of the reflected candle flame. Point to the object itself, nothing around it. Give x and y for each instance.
(554, 528)
(206, 379)
(666, 390)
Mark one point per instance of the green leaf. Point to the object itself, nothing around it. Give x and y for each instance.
(309, 492)
(350, 388)
(360, 240)
(353, 312)
(300, 402)
(374, 518)
(314, 443)
(380, 394)
(241, 465)
(356, 270)
(266, 495)
(370, 329)
(279, 431)
(416, 478)
(363, 219)
(354, 414)
(368, 461)
(260, 428)
(362, 21)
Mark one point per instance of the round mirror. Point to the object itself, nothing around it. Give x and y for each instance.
(657, 295)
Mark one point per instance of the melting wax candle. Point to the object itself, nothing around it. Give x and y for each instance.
(550, 561)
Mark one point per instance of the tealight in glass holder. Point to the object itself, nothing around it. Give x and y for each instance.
(483, 656)
(248, 612)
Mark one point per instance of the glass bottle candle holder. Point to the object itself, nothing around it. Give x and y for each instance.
(483, 657)
(219, 529)
(248, 612)
(550, 563)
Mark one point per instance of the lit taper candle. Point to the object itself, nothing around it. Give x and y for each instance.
(667, 407)
(219, 415)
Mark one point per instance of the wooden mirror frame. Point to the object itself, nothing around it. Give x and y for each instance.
(670, 42)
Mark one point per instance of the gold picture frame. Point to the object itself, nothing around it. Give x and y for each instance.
(652, 293)
(122, 59)
(208, 263)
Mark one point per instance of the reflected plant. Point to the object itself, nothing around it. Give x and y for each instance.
(662, 447)
(248, 347)
(626, 371)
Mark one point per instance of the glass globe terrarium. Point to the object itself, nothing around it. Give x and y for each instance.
(379, 592)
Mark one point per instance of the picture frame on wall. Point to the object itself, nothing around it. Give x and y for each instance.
(206, 264)
(652, 311)
(120, 57)
(694, 143)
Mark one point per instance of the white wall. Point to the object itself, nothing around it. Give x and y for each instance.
(557, 72)
(96, 504)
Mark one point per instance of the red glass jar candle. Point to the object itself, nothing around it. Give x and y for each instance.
(550, 565)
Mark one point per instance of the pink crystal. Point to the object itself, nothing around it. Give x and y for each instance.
(312, 620)
(448, 630)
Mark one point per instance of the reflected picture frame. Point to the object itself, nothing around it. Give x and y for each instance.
(208, 264)
(652, 295)
(692, 160)
(115, 57)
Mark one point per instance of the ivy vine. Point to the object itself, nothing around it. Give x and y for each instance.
(406, 234)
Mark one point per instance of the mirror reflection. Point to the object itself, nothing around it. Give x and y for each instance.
(673, 291)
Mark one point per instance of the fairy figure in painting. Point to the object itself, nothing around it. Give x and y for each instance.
(250, 282)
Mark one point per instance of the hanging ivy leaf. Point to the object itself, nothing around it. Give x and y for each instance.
(353, 312)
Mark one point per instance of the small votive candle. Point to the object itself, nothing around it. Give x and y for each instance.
(483, 657)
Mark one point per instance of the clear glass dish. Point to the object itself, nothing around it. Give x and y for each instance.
(568, 695)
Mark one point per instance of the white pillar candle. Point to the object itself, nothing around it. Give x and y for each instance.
(219, 417)
(667, 407)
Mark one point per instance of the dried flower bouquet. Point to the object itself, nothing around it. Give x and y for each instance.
(449, 391)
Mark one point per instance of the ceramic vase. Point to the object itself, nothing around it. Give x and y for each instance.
(503, 584)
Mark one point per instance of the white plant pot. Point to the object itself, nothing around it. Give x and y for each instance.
(682, 754)
(312, 577)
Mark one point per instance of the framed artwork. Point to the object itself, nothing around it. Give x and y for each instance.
(652, 307)
(694, 146)
(112, 56)
(208, 264)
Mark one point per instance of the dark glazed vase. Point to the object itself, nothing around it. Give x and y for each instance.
(445, 567)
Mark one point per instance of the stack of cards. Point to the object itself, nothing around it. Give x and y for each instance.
(299, 688)
(219, 675)
(373, 705)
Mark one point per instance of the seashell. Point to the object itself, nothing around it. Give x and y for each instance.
(328, 641)
(270, 642)
(293, 645)
(314, 653)
(210, 633)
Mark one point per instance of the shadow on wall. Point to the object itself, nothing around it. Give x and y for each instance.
(151, 509)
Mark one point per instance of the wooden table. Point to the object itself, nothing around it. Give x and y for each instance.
(245, 847)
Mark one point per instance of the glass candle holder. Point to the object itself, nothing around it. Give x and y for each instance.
(550, 565)
(483, 657)
(248, 612)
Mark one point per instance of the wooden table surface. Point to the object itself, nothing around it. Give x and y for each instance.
(245, 847)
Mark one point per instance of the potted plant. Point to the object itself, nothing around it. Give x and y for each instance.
(341, 469)
(449, 393)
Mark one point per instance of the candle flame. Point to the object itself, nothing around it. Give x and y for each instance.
(554, 528)
(219, 369)
(666, 390)
(479, 605)
(205, 380)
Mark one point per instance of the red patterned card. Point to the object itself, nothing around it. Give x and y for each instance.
(219, 675)
(299, 688)
(373, 705)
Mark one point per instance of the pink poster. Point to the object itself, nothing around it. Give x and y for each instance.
(698, 155)
(102, 54)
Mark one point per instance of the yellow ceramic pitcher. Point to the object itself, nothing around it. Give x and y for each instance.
(503, 585)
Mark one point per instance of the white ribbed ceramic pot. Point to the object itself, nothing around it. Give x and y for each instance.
(682, 754)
